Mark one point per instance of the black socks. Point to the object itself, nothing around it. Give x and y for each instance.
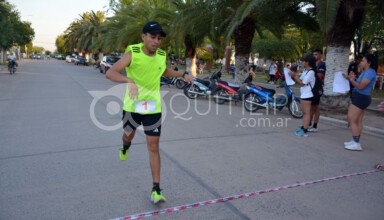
(126, 146)
(305, 130)
(156, 186)
(356, 139)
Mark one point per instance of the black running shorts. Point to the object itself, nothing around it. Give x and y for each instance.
(151, 122)
(315, 100)
(307, 99)
(359, 100)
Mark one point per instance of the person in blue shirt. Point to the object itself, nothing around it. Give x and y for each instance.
(360, 98)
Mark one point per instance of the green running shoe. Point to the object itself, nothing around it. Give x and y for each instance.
(124, 154)
(157, 197)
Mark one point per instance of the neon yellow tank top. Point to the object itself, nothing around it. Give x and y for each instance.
(146, 72)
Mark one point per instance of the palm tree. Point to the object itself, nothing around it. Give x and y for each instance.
(182, 21)
(92, 30)
(248, 17)
(82, 34)
(339, 21)
(371, 33)
(72, 35)
(193, 23)
(125, 26)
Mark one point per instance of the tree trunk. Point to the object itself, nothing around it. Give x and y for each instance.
(337, 60)
(243, 43)
(190, 55)
(241, 68)
(228, 54)
(349, 18)
(2, 56)
(190, 65)
(101, 55)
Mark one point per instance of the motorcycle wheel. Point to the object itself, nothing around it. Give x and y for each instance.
(180, 83)
(189, 94)
(220, 92)
(294, 109)
(250, 107)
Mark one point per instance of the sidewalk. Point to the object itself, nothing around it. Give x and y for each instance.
(373, 118)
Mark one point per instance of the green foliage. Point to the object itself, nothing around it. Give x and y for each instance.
(37, 49)
(26, 48)
(371, 34)
(275, 49)
(13, 30)
(326, 13)
(82, 34)
(203, 54)
(193, 24)
(60, 45)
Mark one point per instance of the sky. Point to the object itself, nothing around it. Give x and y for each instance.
(50, 18)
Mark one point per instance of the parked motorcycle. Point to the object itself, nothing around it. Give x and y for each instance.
(226, 92)
(178, 82)
(260, 97)
(202, 87)
(12, 67)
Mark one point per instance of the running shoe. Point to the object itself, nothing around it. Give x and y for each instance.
(354, 146)
(349, 142)
(124, 154)
(157, 197)
(301, 133)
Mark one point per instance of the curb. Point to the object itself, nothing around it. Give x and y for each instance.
(340, 123)
(366, 129)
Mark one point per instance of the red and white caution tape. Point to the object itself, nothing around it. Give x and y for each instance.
(242, 196)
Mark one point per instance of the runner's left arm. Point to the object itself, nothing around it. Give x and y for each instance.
(172, 73)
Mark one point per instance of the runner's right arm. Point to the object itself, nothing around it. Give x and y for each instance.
(114, 75)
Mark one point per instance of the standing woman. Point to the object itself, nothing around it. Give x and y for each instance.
(306, 81)
(360, 99)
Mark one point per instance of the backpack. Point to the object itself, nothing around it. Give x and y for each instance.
(317, 89)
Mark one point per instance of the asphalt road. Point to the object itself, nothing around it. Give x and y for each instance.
(57, 161)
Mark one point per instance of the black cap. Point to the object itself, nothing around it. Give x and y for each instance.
(153, 27)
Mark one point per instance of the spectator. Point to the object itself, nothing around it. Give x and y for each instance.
(201, 68)
(247, 82)
(305, 81)
(174, 66)
(354, 68)
(320, 72)
(280, 71)
(232, 70)
(360, 99)
(288, 73)
(272, 72)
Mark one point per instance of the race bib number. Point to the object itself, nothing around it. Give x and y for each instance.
(145, 106)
